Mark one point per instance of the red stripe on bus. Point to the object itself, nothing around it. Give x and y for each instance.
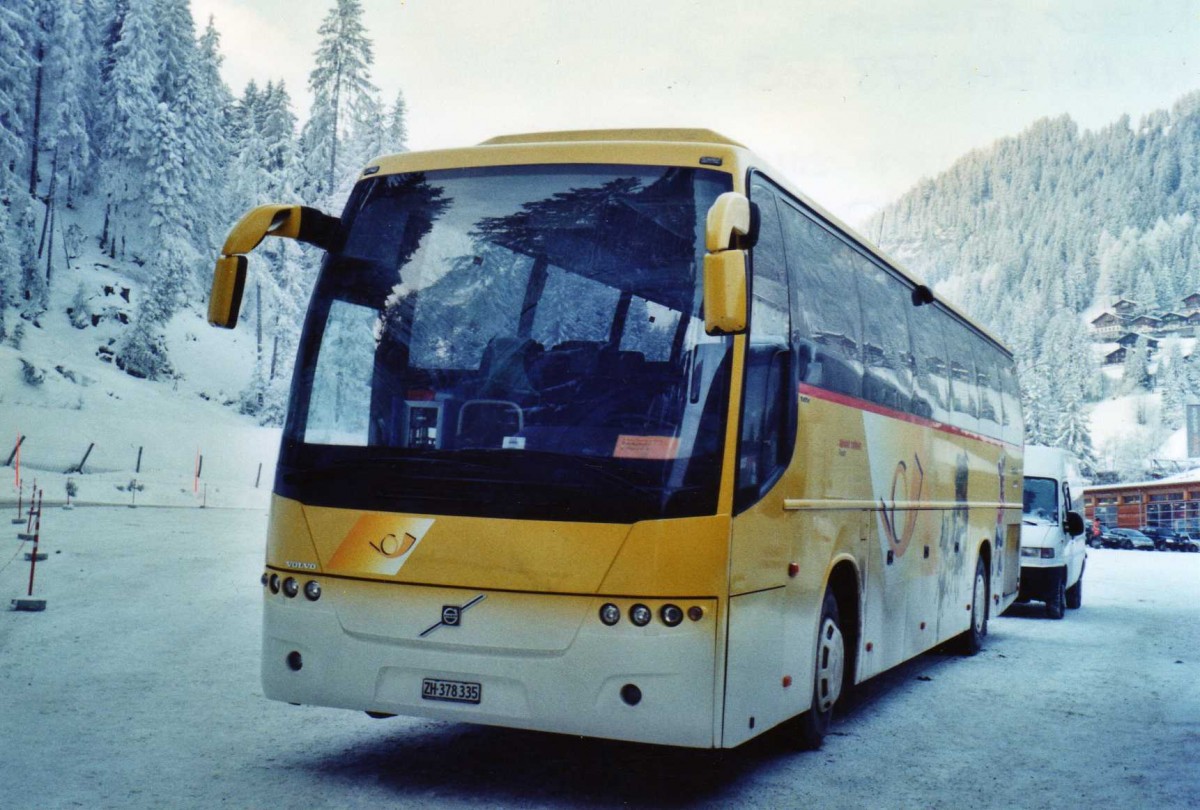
(872, 407)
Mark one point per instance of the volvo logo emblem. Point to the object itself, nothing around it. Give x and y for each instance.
(452, 615)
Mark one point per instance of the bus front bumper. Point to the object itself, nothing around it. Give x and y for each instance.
(533, 661)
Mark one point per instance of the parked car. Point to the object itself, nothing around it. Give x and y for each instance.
(1163, 538)
(1182, 541)
(1127, 538)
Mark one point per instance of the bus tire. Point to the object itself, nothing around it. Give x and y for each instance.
(1075, 594)
(971, 642)
(808, 730)
(1056, 600)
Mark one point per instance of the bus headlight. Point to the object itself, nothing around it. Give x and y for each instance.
(671, 615)
(274, 583)
(290, 587)
(610, 614)
(640, 615)
(312, 590)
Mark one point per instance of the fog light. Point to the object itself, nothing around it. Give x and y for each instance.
(640, 615)
(294, 662)
(671, 615)
(610, 614)
(631, 694)
(264, 579)
(695, 613)
(312, 590)
(290, 587)
(274, 585)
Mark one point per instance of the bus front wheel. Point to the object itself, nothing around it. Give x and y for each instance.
(810, 728)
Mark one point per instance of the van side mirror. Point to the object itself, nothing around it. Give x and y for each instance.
(729, 229)
(1074, 524)
(288, 221)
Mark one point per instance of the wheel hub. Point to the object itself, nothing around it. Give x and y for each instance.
(831, 664)
(979, 603)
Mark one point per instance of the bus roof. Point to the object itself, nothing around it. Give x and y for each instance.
(665, 135)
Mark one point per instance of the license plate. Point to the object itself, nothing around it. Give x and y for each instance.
(453, 691)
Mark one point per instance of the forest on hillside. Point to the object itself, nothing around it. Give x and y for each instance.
(114, 118)
(1037, 233)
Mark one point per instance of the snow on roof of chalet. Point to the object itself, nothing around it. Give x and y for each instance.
(1191, 476)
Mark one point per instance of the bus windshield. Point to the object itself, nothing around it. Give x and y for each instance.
(514, 342)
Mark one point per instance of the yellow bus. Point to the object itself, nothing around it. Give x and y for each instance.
(616, 434)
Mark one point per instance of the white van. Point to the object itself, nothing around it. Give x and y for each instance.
(1053, 551)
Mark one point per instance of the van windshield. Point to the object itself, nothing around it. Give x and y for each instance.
(1041, 500)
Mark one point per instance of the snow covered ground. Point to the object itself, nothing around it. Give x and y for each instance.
(138, 687)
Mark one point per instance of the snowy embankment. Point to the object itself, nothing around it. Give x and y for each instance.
(61, 390)
(138, 687)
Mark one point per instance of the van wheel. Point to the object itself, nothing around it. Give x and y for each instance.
(1075, 594)
(1056, 602)
(809, 729)
(971, 642)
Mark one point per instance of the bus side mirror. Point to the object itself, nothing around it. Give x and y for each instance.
(731, 221)
(225, 300)
(287, 221)
(1074, 525)
(725, 292)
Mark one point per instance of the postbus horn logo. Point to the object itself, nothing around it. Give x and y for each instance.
(899, 540)
(391, 546)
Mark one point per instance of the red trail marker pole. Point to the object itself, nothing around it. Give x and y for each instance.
(32, 494)
(29, 603)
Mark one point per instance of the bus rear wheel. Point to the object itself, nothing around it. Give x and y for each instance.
(971, 641)
(829, 672)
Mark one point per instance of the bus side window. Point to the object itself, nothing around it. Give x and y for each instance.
(1010, 400)
(887, 355)
(987, 367)
(826, 303)
(768, 406)
(964, 387)
(931, 384)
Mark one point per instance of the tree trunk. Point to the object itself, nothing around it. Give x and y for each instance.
(34, 143)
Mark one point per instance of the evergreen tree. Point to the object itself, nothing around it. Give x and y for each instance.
(65, 130)
(1172, 381)
(16, 70)
(129, 132)
(396, 134)
(1136, 370)
(341, 86)
(143, 352)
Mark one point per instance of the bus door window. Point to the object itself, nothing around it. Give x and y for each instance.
(768, 404)
(340, 404)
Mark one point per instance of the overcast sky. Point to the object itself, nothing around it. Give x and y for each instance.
(855, 100)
